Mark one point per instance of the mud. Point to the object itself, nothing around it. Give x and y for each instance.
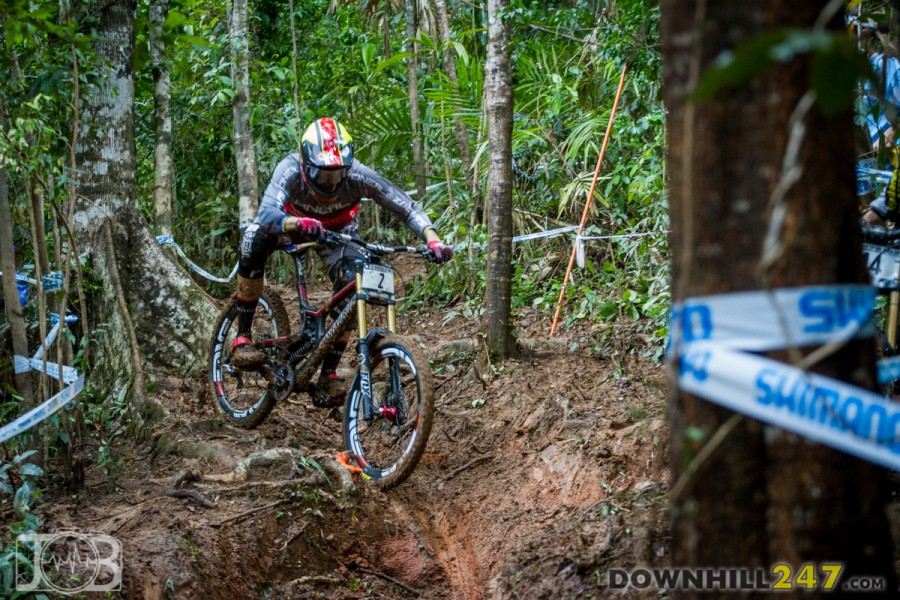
(541, 473)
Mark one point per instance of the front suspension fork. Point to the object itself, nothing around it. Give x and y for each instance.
(365, 361)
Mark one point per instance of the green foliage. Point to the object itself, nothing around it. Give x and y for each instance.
(18, 487)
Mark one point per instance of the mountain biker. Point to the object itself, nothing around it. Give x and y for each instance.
(883, 104)
(882, 94)
(316, 189)
(886, 207)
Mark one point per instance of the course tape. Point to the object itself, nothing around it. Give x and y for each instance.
(68, 375)
(560, 231)
(167, 239)
(40, 413)
(889, 369)
(521, 238)
(23, 364)
(712, 338)
(51, 336)
(52, 282)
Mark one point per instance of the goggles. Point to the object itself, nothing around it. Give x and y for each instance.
(327, 180)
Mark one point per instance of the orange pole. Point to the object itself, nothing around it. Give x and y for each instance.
(587, 205)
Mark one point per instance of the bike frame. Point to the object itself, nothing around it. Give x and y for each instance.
(314, 326)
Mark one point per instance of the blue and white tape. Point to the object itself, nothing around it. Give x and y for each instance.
(41, 412)
(52, 281)
(521, 238)
(561, 231)
(68, 375)
(22, 364)
(712, 337)
(167, 239)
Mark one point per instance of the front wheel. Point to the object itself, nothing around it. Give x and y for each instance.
(389, 447)
(244, 396)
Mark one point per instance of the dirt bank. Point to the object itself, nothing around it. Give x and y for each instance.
(540, 474)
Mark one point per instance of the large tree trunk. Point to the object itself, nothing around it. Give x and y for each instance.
(248, 177)
(462, 134)
(763, 496)
(148, 307)
(412, 64)
(499, 101)
(164, 173)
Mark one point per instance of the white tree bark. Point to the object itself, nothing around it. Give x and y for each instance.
(462, 134)
(412, 64)
(245, 156)
(164, 173)
(148, 309)
(499, 102)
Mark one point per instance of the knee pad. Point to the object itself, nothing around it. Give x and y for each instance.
(256, 246)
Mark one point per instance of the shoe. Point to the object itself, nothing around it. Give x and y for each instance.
(244, 356)
(333, 386)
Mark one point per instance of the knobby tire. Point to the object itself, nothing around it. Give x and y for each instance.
(220, 358)
(390, 473)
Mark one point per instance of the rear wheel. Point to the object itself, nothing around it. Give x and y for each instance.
(389, 447)
(243, 396)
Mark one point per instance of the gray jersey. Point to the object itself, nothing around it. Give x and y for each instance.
(288, 194)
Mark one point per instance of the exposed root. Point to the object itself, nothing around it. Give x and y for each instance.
(316, 579)
(294, 537)
(247, 513)
(261, 459)
(341, 469)
(175, 490)
(468, 465)
(390, 579)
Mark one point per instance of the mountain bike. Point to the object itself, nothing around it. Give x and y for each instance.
(881, 248)
(389, 408)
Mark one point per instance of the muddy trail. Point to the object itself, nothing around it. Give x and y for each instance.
(540, 474)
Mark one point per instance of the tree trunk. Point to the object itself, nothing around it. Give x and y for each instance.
(412, 64)
(248, 177)
(164, 173)
(499, 101)
(462, 134)
(146, 300)
(763, 496)
(14, 314)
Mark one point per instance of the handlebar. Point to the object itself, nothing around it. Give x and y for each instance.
(878, 235)
(341, 239)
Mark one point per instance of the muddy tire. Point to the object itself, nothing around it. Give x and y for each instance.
(242, 396)
(388, 450)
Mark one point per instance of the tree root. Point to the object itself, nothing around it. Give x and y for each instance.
(316, 579)
(247, 513)
(390, 579)
(262, 458)
(294, 537)
(468, 465)
(175, 490)
(339, 472)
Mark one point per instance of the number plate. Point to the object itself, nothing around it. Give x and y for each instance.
(884, 266)
(378, 282)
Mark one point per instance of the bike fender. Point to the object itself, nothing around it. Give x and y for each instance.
(375, 334)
